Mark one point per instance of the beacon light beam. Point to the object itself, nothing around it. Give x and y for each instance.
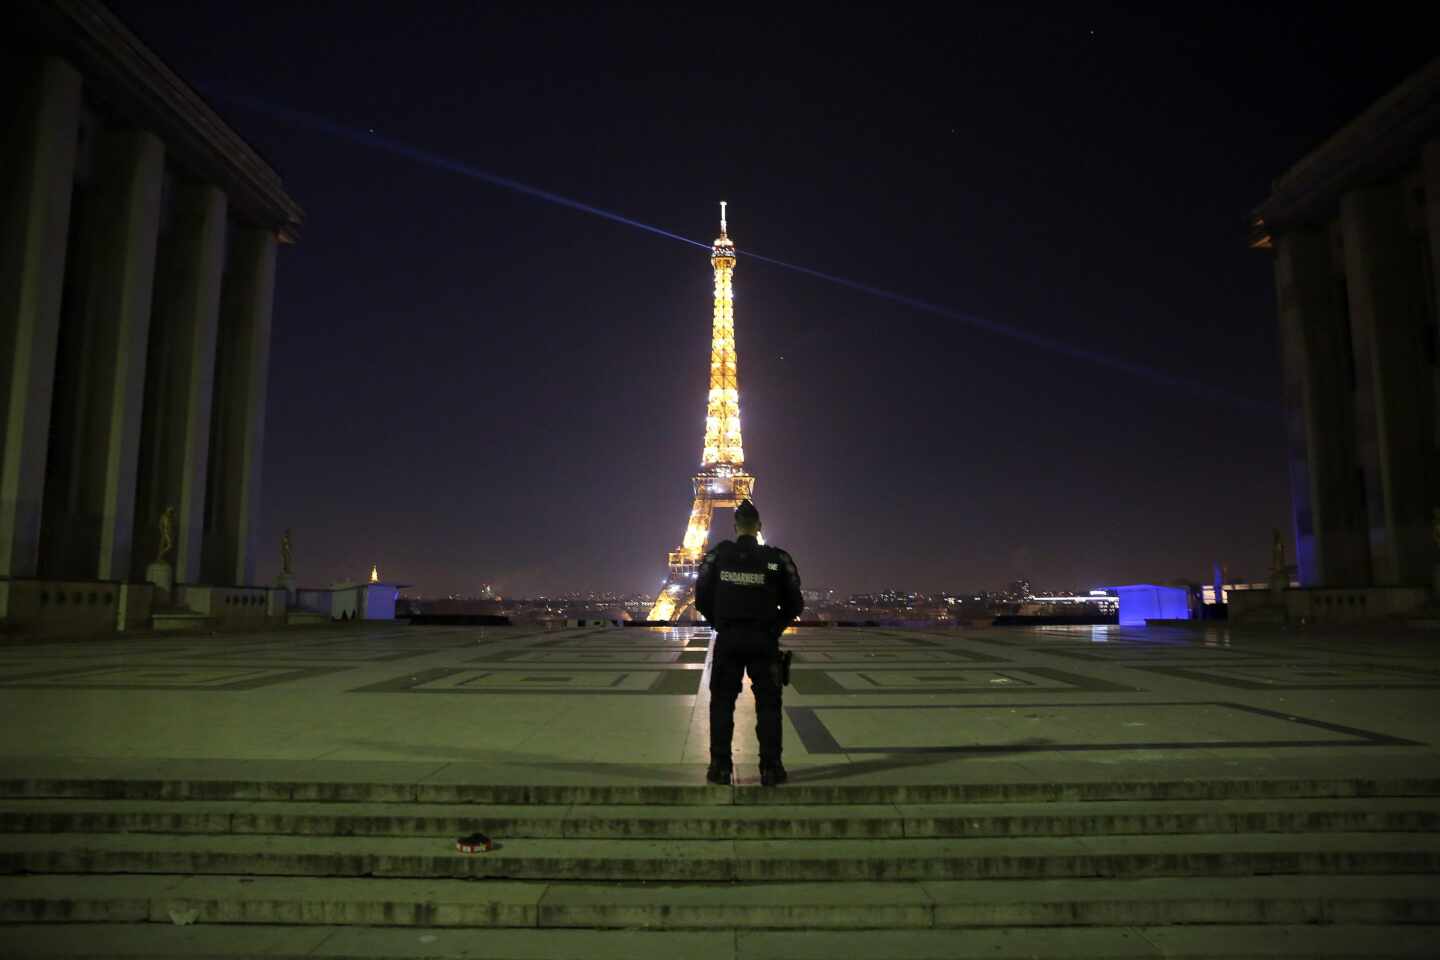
(1016, 333)
(323, 125)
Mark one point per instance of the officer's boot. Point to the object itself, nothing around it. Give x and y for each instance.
(722, 732)
(772, 771)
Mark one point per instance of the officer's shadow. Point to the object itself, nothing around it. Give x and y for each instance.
(811, 773)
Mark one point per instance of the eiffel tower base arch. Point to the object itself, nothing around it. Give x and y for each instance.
(714, 489)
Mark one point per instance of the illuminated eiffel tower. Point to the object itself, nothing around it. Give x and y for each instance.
(722, 481)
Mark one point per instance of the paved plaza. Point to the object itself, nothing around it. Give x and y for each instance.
(894, 704)
(1059, 793)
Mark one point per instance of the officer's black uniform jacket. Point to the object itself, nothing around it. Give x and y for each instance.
(742, 581)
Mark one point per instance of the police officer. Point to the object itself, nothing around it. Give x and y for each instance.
(750, 593)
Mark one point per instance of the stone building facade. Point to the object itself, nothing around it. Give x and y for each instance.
(138, 242)
(1354, 228)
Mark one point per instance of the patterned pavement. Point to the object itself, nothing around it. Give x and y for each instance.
(522, 695)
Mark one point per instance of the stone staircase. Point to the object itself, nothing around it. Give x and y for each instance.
(1219, 867)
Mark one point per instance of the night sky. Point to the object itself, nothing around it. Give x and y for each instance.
(470, 385)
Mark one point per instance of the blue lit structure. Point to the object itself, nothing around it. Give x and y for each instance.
(1146, 601)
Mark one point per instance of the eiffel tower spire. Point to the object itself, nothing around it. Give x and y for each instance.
(722, 480)
(722, 414)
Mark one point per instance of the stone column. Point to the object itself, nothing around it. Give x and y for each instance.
(1330, 527)
(1432, 230)
(238, 424)
(1388, 323)
(39, 171)
(100, 364)
(180, 378)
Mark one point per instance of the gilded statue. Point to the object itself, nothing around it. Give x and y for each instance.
(167, 534)
(286, 553)
(1277, 553)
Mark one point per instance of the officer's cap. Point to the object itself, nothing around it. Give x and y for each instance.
(747, 512)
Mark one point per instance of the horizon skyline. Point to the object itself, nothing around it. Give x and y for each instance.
(1044, 590)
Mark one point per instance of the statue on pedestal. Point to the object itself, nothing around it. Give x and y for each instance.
(1279, 575)
(167, 534)
(160, 573)
(286, 580)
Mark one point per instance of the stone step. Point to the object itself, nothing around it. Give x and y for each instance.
(154, 941)
(796, 792)
(789, 821)
(717, 860)
(861, 905)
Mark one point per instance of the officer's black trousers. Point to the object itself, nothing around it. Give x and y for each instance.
(741, 649)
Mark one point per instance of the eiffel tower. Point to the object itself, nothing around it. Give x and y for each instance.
(722, 481)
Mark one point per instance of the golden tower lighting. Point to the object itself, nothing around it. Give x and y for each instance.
(722, 480)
